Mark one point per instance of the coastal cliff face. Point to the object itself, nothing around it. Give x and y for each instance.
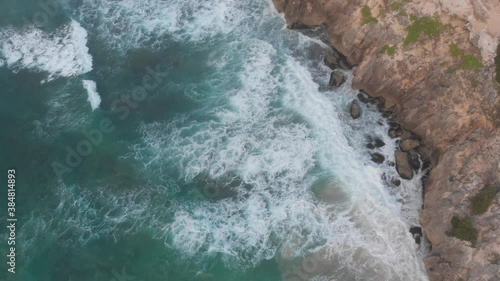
(434, 63)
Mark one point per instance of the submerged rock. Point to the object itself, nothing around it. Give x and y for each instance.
(378, 158)
(396, 182)
(355, 110)
(374, 143)
(403, 165)
(337, 78)
(379, 142)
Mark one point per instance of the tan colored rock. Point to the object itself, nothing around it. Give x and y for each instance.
(409, 144)
(403, 165)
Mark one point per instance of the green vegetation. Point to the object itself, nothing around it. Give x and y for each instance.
(366, 12)
(390, 50)
(470, 62)
(464, 229)
(497, 62)
(430, 26)
(396, 6)
(482, 201)
(456, 51)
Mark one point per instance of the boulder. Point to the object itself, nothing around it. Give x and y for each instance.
(378, 158)
(337, 78)
(409, 144)
(355, 110)
(403, 165)
(331, 61)
(407, 135)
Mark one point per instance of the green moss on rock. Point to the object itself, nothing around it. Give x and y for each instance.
(368, 18)
(430, 26)
(482, 201)
(456, 51)
(390, 50)
(470, 62)
(464, 229)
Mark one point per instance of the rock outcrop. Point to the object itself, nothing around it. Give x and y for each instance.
(403, 165)
(433, 63)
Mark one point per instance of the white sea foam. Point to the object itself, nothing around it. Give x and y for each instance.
(62, 53)
(259, 145)
(94, 98)
(125, 24)
(265, 137)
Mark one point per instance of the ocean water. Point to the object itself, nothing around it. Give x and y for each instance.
(191, 140)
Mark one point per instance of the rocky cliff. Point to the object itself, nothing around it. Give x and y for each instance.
(434, 63)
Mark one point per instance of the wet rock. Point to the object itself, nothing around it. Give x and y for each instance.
(298, 26)
(395, 131)
(363, 97)
(379, 143)
(409, 144)
(414, 160)
(417, 234)
(416, 230)
(337, 78)
(379, 102)
(396, 182)
(388, 115)
(403, 165)
(426, 164)
(331, 61)
(378, 158)
(355, 110)
(373, 143)
(334, 61)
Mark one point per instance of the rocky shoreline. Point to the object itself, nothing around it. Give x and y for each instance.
(433, 65)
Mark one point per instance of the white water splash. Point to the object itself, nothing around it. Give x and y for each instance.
(94, 98)
(62, 53)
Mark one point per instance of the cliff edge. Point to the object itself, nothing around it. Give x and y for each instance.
(435, 64)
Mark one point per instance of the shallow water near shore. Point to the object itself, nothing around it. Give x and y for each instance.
(240, 163)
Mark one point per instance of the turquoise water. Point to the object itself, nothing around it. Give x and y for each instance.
(234, 162)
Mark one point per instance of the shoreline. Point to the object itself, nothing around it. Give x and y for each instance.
(441, 86)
